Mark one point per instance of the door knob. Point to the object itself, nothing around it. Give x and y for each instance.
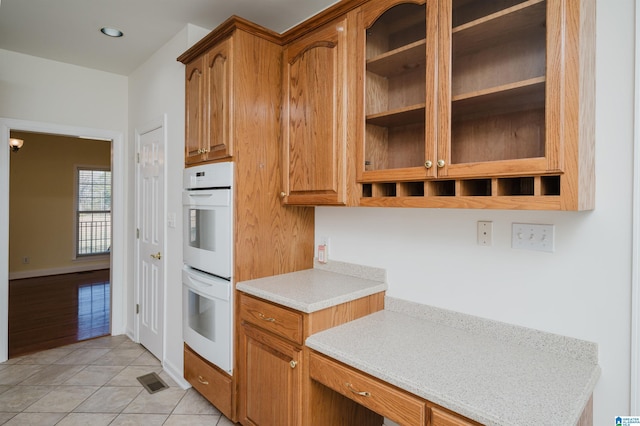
(157, 256)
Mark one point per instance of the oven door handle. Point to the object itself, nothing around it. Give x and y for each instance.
(206, 285)
(200, 194)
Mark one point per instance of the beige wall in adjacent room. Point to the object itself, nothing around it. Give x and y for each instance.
(41, 202)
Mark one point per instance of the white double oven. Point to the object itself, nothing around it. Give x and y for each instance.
(208, 258)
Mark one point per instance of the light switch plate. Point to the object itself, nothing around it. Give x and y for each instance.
(530, 236)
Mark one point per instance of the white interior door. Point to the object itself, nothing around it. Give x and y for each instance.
(151, 261)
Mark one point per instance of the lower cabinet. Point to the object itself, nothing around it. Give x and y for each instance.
(215, 385)
(271, 389)
(395, 404)
(274, 388)
(378, 396)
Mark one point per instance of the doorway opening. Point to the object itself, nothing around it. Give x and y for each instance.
(59, 241)
(115, 261)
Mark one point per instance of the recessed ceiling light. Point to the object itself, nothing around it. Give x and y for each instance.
(111, 32)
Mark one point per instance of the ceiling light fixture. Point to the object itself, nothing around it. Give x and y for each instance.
(111, 32)
(15, 144)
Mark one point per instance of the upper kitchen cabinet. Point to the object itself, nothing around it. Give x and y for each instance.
(399, 45)
(508, 107)
(223, 72)
(208, 100)
(318, 112)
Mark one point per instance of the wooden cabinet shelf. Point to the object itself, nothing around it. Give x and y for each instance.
(525, 18)
(399, 60)
(398, 117)
(522, 95)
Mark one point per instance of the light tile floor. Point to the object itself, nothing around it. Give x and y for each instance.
(95, 383)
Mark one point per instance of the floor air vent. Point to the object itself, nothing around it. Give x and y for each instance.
(152, 383)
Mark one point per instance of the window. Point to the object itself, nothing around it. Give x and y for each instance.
(93, 211)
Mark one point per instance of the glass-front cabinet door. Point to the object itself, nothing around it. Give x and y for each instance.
(399, 90)
(493, 80)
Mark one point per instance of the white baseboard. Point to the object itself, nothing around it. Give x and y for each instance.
(58, 271)
(175, 374)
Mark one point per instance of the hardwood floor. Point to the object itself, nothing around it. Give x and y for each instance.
(52, 311)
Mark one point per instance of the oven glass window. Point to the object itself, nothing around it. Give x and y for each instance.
(202, 230)
(201, 315)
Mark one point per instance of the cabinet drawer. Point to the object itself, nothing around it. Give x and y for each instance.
(378, 396)
(213, 384)
(273, 318)
(441, 417)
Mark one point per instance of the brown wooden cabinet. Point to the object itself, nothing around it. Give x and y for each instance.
(380, 397)
(318, 109)
(477, 104)
(273, 366)
(209, 85)
(398, 46)
(241, 63)
(213, 383)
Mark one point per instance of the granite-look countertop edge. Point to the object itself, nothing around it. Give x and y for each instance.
(359, 271)
(310, 307)
(312, 290)
(487, 380)
(562, 345)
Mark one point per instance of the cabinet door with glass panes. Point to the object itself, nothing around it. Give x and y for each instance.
(505, 116)
(493, 78)
(399, 90)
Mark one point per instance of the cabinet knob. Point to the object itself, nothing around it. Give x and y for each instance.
(283, 194)
(428, 164)
(293, 363)
(441, 163)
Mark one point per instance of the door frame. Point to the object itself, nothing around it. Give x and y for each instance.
(635, 251)
(118, 238)
(160, 122)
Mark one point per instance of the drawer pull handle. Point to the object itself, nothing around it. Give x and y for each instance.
(266, 318)
(202, 380)
(350, 387)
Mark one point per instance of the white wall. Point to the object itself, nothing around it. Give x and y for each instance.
(47, 91)
(582, 290)
(157, 88)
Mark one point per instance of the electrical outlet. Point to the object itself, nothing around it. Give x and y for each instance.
(485, 233)
(531, 236)
(323, 249)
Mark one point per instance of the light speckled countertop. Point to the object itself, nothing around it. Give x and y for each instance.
(324, 286)
(494, 373)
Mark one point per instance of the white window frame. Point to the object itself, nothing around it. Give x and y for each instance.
(87, 257)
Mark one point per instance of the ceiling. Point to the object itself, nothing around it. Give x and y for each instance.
(69, 30)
